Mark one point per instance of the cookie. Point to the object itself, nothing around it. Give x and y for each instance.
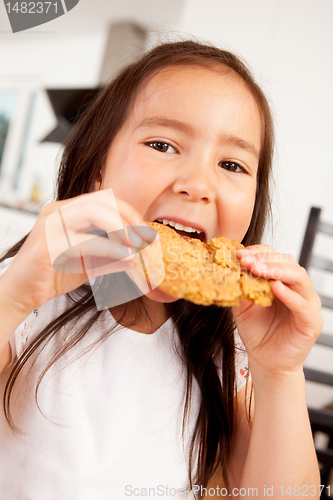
(202, 273)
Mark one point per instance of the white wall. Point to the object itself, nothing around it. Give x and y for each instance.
(54, 60)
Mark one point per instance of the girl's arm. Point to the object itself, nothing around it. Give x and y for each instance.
(278, 450)
(11, 317)
(280, 458)
(5, 358)
(281, 453)
(242, 435)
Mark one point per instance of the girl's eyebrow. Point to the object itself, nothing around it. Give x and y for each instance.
(166, 122)
(240, 143)
(187, 129)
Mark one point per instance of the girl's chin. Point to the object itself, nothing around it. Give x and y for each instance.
(160, 296)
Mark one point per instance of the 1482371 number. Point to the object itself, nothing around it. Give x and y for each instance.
(31, 7)
(305, 490)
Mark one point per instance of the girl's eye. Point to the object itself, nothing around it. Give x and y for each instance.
(231, 166)
(163, 147)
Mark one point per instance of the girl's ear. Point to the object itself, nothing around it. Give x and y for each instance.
(98, 182)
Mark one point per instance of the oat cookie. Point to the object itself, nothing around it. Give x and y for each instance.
(202, 273)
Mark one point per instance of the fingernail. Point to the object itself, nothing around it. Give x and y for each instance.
(147, 233)
(248, 258)
(134, 239)
(242, 254)
(261, 266)
(124, 252)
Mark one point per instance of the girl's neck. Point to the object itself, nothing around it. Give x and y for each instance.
(156, 311)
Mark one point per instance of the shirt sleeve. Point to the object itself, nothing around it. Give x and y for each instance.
(241, 363)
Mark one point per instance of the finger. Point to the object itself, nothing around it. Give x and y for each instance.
(273, 258)
(147, 233)
(132, 219)
(84, 217)
(90, 254)
(266, 255)
(257, 249)
(102, 210)
(129, 215)
(106, 199)
(304, 316)
(292, 275)
(80, 218)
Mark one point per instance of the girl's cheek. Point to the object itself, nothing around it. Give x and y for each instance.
(235, 213)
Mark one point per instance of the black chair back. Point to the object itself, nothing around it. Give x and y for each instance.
(320, 419)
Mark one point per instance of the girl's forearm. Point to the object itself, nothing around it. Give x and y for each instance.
(281, 451)
(11, 317)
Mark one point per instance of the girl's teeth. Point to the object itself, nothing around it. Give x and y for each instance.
(179, 226)
(170, 223)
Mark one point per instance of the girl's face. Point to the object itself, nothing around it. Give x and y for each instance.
(189, 152)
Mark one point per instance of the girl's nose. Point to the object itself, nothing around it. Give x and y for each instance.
(195, 185)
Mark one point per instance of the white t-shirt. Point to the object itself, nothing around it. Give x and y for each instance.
(111, 420)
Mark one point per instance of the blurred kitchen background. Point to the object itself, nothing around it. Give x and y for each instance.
(49, 72)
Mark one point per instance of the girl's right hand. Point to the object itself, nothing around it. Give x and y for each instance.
(59, 237)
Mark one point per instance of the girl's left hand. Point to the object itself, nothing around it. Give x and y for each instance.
(278, 338)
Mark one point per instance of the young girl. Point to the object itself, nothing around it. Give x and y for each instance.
(148, 398)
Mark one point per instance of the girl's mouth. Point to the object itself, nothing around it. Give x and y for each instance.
(182, 232)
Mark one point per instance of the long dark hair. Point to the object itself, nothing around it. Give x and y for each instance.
(206, 332)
